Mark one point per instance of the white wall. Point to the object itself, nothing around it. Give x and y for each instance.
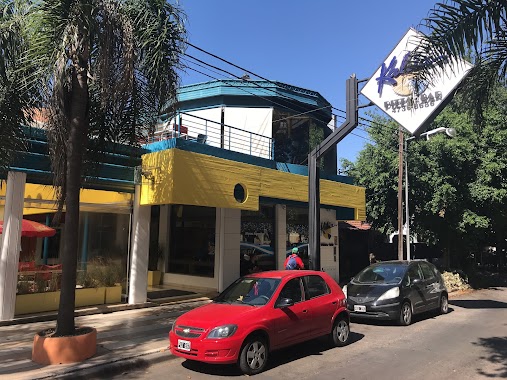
(230, 238)
(256, 120)
(329, 254)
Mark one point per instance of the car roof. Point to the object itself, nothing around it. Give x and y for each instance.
(400, 262)
(283, 273)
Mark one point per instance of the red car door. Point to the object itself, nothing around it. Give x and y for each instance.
(322, 304)
(292, 324)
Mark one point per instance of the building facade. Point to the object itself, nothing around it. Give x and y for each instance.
(219, 190)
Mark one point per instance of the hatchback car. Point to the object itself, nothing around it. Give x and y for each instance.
(396, 290)
(260, 313)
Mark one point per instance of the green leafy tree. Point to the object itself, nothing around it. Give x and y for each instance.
(457, 187)
(377, 170)
(102, 70)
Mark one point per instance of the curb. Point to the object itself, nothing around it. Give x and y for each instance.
(113, 367)
(103, 309)
(77, 313)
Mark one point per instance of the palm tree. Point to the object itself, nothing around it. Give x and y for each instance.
(12, 46)
(468, 29)
(102, 70)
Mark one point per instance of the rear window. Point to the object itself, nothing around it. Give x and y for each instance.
(427, 271)
(315, 286)
(381, 274)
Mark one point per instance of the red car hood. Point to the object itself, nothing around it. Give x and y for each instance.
(216, 314)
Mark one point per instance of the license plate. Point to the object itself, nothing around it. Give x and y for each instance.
(183, 345)
(360, 308)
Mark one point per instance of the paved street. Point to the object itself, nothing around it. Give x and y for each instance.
(468, 343)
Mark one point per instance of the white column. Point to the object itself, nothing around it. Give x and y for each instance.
(281, 235)
(229, 235)
(11, 243)
(140, 245)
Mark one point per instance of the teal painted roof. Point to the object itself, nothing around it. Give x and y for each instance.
(114, 172)
(252, 94)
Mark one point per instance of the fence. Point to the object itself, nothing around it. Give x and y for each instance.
(200, 130)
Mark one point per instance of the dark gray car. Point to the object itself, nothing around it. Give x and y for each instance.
(396, 290)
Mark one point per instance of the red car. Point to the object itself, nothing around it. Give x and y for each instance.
(260, 313)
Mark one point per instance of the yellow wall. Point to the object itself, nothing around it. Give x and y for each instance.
(46, 194)
(182, 177)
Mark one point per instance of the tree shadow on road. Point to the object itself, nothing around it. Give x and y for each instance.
(276, 359)
(415, 319)
(497, 354)
(479, 304)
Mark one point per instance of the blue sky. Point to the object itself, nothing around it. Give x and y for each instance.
(312, 44)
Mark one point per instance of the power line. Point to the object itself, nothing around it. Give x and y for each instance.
(259, 86)
(259, 76)
(262, 88)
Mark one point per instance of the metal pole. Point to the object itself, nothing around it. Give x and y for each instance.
(400, 196)
(314, 213)
(407, 213)
(313, 171)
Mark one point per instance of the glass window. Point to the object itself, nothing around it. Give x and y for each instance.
(315, 286)
(257, 240)
(428, 273)
(192, 242)
(381, 274)
(249, 290)
(414, 272)
(297, 232)
(292, 290)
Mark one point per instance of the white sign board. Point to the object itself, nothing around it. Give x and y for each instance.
(394, 91)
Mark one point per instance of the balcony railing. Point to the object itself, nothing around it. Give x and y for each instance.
(201, 130)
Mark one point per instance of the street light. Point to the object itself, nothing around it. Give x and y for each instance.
(451, 133)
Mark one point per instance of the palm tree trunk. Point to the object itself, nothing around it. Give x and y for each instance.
(76, 143)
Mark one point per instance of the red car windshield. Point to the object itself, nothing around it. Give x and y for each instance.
(250, 291)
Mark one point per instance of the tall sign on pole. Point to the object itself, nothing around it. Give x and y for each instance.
(396, 90)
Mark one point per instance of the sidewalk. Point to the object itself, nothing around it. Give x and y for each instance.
(129, 338)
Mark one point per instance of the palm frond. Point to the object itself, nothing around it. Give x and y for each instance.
(465, 29)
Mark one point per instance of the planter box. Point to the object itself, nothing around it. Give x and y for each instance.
(36, 302)
(49, 301)
(90, 296)
(154, 277)
(113, 294)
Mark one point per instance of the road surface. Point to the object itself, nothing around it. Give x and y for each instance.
(468, 343)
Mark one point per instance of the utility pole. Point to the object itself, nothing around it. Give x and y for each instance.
(400, 196)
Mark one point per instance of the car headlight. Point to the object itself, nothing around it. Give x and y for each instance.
(344, 290)
(173, 326)
(222, 332)
(391, 293)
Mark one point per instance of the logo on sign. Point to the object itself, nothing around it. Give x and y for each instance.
(403, 83)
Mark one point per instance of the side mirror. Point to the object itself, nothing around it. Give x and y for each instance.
(416, 281)
(284, 302)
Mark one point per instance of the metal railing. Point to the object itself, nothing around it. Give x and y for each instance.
(201, 130)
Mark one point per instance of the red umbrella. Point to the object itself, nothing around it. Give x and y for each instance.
(30, 228)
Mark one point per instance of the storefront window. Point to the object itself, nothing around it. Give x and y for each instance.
(257, 251)
(297, 232)
(192, 242)
(102, 254)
